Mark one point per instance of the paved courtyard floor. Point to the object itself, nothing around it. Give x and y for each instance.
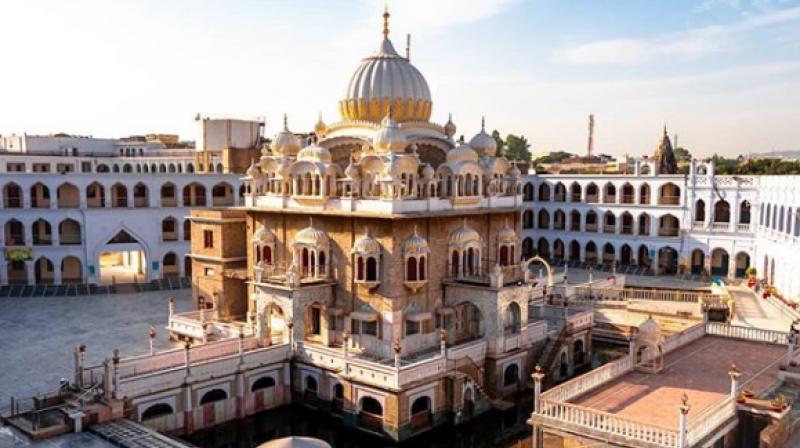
(38, 334)
(700, 370)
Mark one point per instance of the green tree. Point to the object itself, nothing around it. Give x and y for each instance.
(517, 148)
(500, 143)
(682, 154)
(554, 157)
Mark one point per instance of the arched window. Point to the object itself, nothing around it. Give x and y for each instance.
(372, 269)
(422, 273)
(744, 212)
(722, 212)
(700, 211)
(311, 384)
(213, 395)
(544, 192)
(263, 383)
(411, 269)
(511, 375)
(156, 410)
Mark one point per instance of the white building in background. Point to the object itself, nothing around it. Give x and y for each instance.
(696, 224)
(84, 210)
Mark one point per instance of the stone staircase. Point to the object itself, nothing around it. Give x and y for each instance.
(550, 352)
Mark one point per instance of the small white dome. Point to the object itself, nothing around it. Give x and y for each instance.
(428, 171)
(464, 235)
(514, 171)
(285, 142)
(462, 152)
(311, 236)
(263, 235)
(483, 143)
(389, 138)
(507, 234)
(415, 244)
(315, 153)
(366, 245)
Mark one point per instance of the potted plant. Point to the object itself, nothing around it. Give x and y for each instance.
(779, 403)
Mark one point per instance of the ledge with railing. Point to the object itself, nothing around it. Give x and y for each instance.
(583, 418)
(747, 333)
(481, 273)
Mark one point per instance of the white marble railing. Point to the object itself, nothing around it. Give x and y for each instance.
(685, 337)
(746, 333)
(140, 384)
(621, 294)
(709, 420)
(590, 380)
(606, 423)
(476, 350)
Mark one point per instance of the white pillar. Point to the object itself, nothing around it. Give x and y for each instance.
(734, 374)
(684, 410)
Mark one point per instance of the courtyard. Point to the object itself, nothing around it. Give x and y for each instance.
(39, 334)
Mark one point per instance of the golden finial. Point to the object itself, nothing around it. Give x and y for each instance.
(483, 123)
(285, 122)
(386, 16)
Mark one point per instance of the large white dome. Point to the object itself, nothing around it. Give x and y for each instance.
(386, 79)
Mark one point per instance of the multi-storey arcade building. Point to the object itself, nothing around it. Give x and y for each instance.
(386, 255)
(700, 223)
(79, 210)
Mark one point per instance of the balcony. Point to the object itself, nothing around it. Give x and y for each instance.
(483, 273)
(592, 198)
(15, 239)
(290, 275)
(627, 229)
(745, 227)
(628, 199)
(609, 228)
(70, 239)
(669, 231)
(591, 227)
(669, 200)
(720, 226)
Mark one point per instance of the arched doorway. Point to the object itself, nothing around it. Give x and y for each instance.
(467, 323)
(625, 255)
(742, 264)
(719, 262)
(698, 261)
(667, 261)
(644, 257)
(370, 415)
(421, 415)
(43, 270)
(511, 375)
(71, 270)
(122, 260)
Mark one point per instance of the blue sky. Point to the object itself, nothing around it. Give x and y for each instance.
(722, 74)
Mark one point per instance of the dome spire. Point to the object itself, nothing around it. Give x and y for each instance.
(285, 122)
(386, 16)
(483, 123)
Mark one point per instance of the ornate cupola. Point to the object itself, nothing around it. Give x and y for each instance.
(285, 143)
(367, 260)
(461, 153)
(415, 260)
(389, 138)
(483, 143)
(386, 79)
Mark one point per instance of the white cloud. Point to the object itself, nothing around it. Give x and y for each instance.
(689, 44)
